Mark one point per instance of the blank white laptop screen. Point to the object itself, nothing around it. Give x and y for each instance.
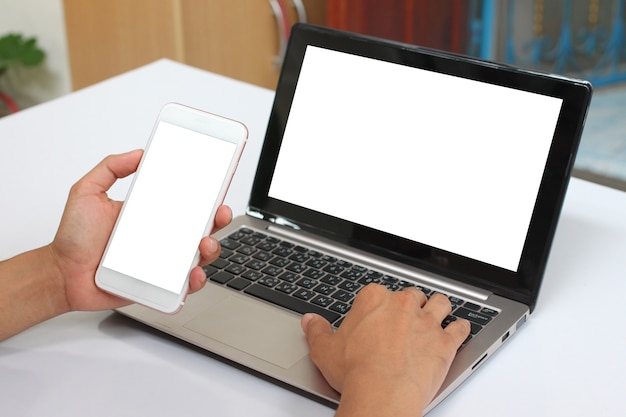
(442, 160)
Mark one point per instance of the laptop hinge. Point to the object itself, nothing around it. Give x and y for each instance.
(281, 221)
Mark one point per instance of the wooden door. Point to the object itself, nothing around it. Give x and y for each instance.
(108, 37)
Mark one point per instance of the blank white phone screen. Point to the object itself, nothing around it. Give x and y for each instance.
(167, 210)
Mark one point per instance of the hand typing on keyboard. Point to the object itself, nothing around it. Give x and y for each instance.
(390, 355)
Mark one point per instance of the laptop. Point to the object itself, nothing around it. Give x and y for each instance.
(393, 164)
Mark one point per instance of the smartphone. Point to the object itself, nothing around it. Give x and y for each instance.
(181, 181)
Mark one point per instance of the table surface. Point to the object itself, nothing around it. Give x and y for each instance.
(568, 360)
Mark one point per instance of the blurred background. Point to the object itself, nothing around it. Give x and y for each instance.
(86, 41)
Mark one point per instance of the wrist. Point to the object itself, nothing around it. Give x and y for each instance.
(370, 395)
(32, 291)
(55, 281)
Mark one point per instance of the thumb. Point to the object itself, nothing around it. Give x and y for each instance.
(315, 327)
(111, 168)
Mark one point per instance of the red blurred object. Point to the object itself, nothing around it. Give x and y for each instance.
(11, 105)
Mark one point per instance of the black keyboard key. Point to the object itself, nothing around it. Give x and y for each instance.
(307, 283)
(289, 302)
(268, 281)
(238, 283)
(316, 263)
(331, 280)
(471, 306)
(225, 253)
(251, 240)
(262, 256)
(229, 243)
(329, 258)
(299, 257)
(273, 240)
(324, 289)
(266, 246)
(286, 287)
(220, 263)
(256, 264)
(388, 279)
(392, 287)
(280, 262)
(289, 276)
(488, 311)
(455, 301)
(235, 269)
(447, 321)
(314, 273)
(296, 267)
(237, 235)
(239, 258)
(246, 250)
(426, 291)
(472, 316)
(304, 294)
(374, 274)
(209, 270)
(272, 270)
(342, 295)
(322, 300)
(351, 274)
(252, 275)
(350, 286)
(341, 308)
(475, 328)
(222, 277)
(368, 280)
(334, 269)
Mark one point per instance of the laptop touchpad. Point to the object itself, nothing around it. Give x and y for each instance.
(253, 328)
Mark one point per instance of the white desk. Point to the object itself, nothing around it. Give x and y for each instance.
(100, 364)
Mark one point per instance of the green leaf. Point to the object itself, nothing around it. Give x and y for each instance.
(15, 50)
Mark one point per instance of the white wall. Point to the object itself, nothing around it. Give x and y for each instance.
(43, 19)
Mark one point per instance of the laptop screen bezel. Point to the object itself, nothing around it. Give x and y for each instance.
(522, 285)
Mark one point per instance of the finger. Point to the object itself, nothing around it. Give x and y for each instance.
(459, 330)
(316, 329)
(209, 249)
(223, 217)
(369, 297)
(419, 295)
(197, 279)
(112, 168)
(439, 305)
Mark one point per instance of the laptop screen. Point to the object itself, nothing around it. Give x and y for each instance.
(454, 162)
(448, 163)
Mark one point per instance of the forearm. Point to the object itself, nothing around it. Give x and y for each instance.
(31, 291)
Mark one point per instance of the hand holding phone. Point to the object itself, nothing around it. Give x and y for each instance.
(182, 179)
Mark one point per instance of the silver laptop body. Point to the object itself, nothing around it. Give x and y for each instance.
(406, 165)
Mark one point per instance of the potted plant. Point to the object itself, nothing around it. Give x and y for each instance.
(15, 51)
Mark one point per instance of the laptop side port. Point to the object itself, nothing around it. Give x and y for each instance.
(479, 362)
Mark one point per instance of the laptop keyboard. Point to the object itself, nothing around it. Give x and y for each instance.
(304, 280)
